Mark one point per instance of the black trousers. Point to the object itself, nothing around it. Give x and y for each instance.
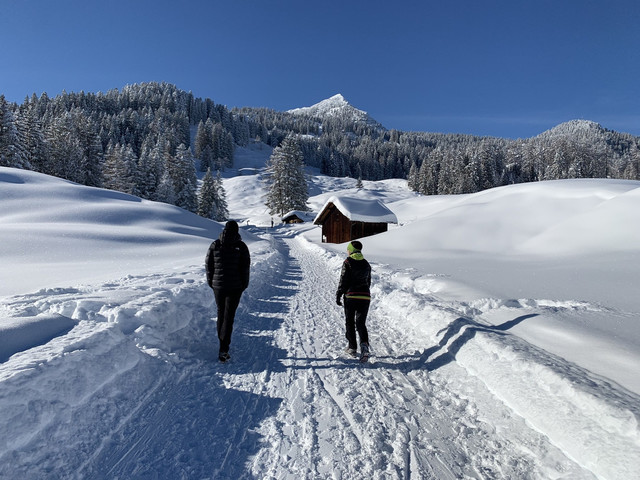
(355, 311)
(227, 302)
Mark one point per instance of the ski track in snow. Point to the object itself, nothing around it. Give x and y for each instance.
(139, 393)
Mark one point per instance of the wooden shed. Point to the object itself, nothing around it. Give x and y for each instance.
(345, 218)
(293, 217)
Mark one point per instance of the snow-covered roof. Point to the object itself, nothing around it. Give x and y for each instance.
(298, 213)
(359, 210)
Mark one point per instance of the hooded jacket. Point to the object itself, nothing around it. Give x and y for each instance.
(228, 261)
(355, 277)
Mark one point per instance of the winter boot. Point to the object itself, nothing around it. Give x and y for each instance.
(351, 351)
(364, 352)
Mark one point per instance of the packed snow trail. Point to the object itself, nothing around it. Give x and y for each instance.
(135, 390)
(390, 419)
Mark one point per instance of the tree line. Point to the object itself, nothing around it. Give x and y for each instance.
(437, 163)
(139, 140)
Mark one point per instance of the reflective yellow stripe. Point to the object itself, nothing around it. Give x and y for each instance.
(361, 296)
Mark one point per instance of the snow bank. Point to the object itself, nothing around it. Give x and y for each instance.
(22, 333)
(591, 419)
(119, 352)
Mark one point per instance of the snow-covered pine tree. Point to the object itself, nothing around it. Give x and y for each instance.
(10, 155)
(165, 192)
(412, 179)
(205, 196)
(118, 169)
(359, 176)
(64, 153)
(220, 199)
(286, 183)
(31, 134)
(147, 172)
(204, 145)
(221, 147)
(212, 202)
(87, 131)
(185, 181)
(131, 161)
(632, 169)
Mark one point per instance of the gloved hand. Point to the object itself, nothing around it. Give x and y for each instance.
(339, 298)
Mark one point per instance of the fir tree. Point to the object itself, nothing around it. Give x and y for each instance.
(221, 213)
(206, 196)
(31, 135)
(166, 192)
(287, 185)
(185, 181)
(412, 179)
(147, 176)
(65, 153)
(204, 145)
(212, 201)
(118, 169)
(9, 149)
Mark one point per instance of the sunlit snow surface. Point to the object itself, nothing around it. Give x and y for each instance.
(504, 327)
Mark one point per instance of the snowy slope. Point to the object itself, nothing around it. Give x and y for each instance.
(60, 233)
(504, 328)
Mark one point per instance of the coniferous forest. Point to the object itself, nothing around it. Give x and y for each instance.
(138, 140)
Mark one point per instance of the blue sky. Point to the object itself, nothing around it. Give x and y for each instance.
(510, 68)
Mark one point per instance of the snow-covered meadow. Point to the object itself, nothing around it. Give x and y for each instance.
(504, 327)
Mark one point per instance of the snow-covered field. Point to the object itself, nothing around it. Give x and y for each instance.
(504, 328)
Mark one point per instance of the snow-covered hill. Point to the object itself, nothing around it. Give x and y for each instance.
(581, 129)
(504, 327)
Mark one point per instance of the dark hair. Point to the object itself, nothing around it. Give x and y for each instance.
(356, 244)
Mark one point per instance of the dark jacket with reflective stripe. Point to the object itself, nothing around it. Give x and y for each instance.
(355, 278)
(228, 263)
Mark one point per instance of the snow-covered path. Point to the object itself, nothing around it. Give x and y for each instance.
(135, 390)
(392, 418)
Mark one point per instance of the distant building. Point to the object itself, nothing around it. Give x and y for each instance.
(293, 217)
(344, 219)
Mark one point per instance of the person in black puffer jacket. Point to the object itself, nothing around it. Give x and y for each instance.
(228, 263)
(354, 287)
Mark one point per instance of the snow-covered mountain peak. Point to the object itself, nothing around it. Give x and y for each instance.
(325, 107)
(337, 101)
(338, 107)
(574, 128)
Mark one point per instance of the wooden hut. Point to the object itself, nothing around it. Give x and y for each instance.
(344, 219)
(293, 217)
